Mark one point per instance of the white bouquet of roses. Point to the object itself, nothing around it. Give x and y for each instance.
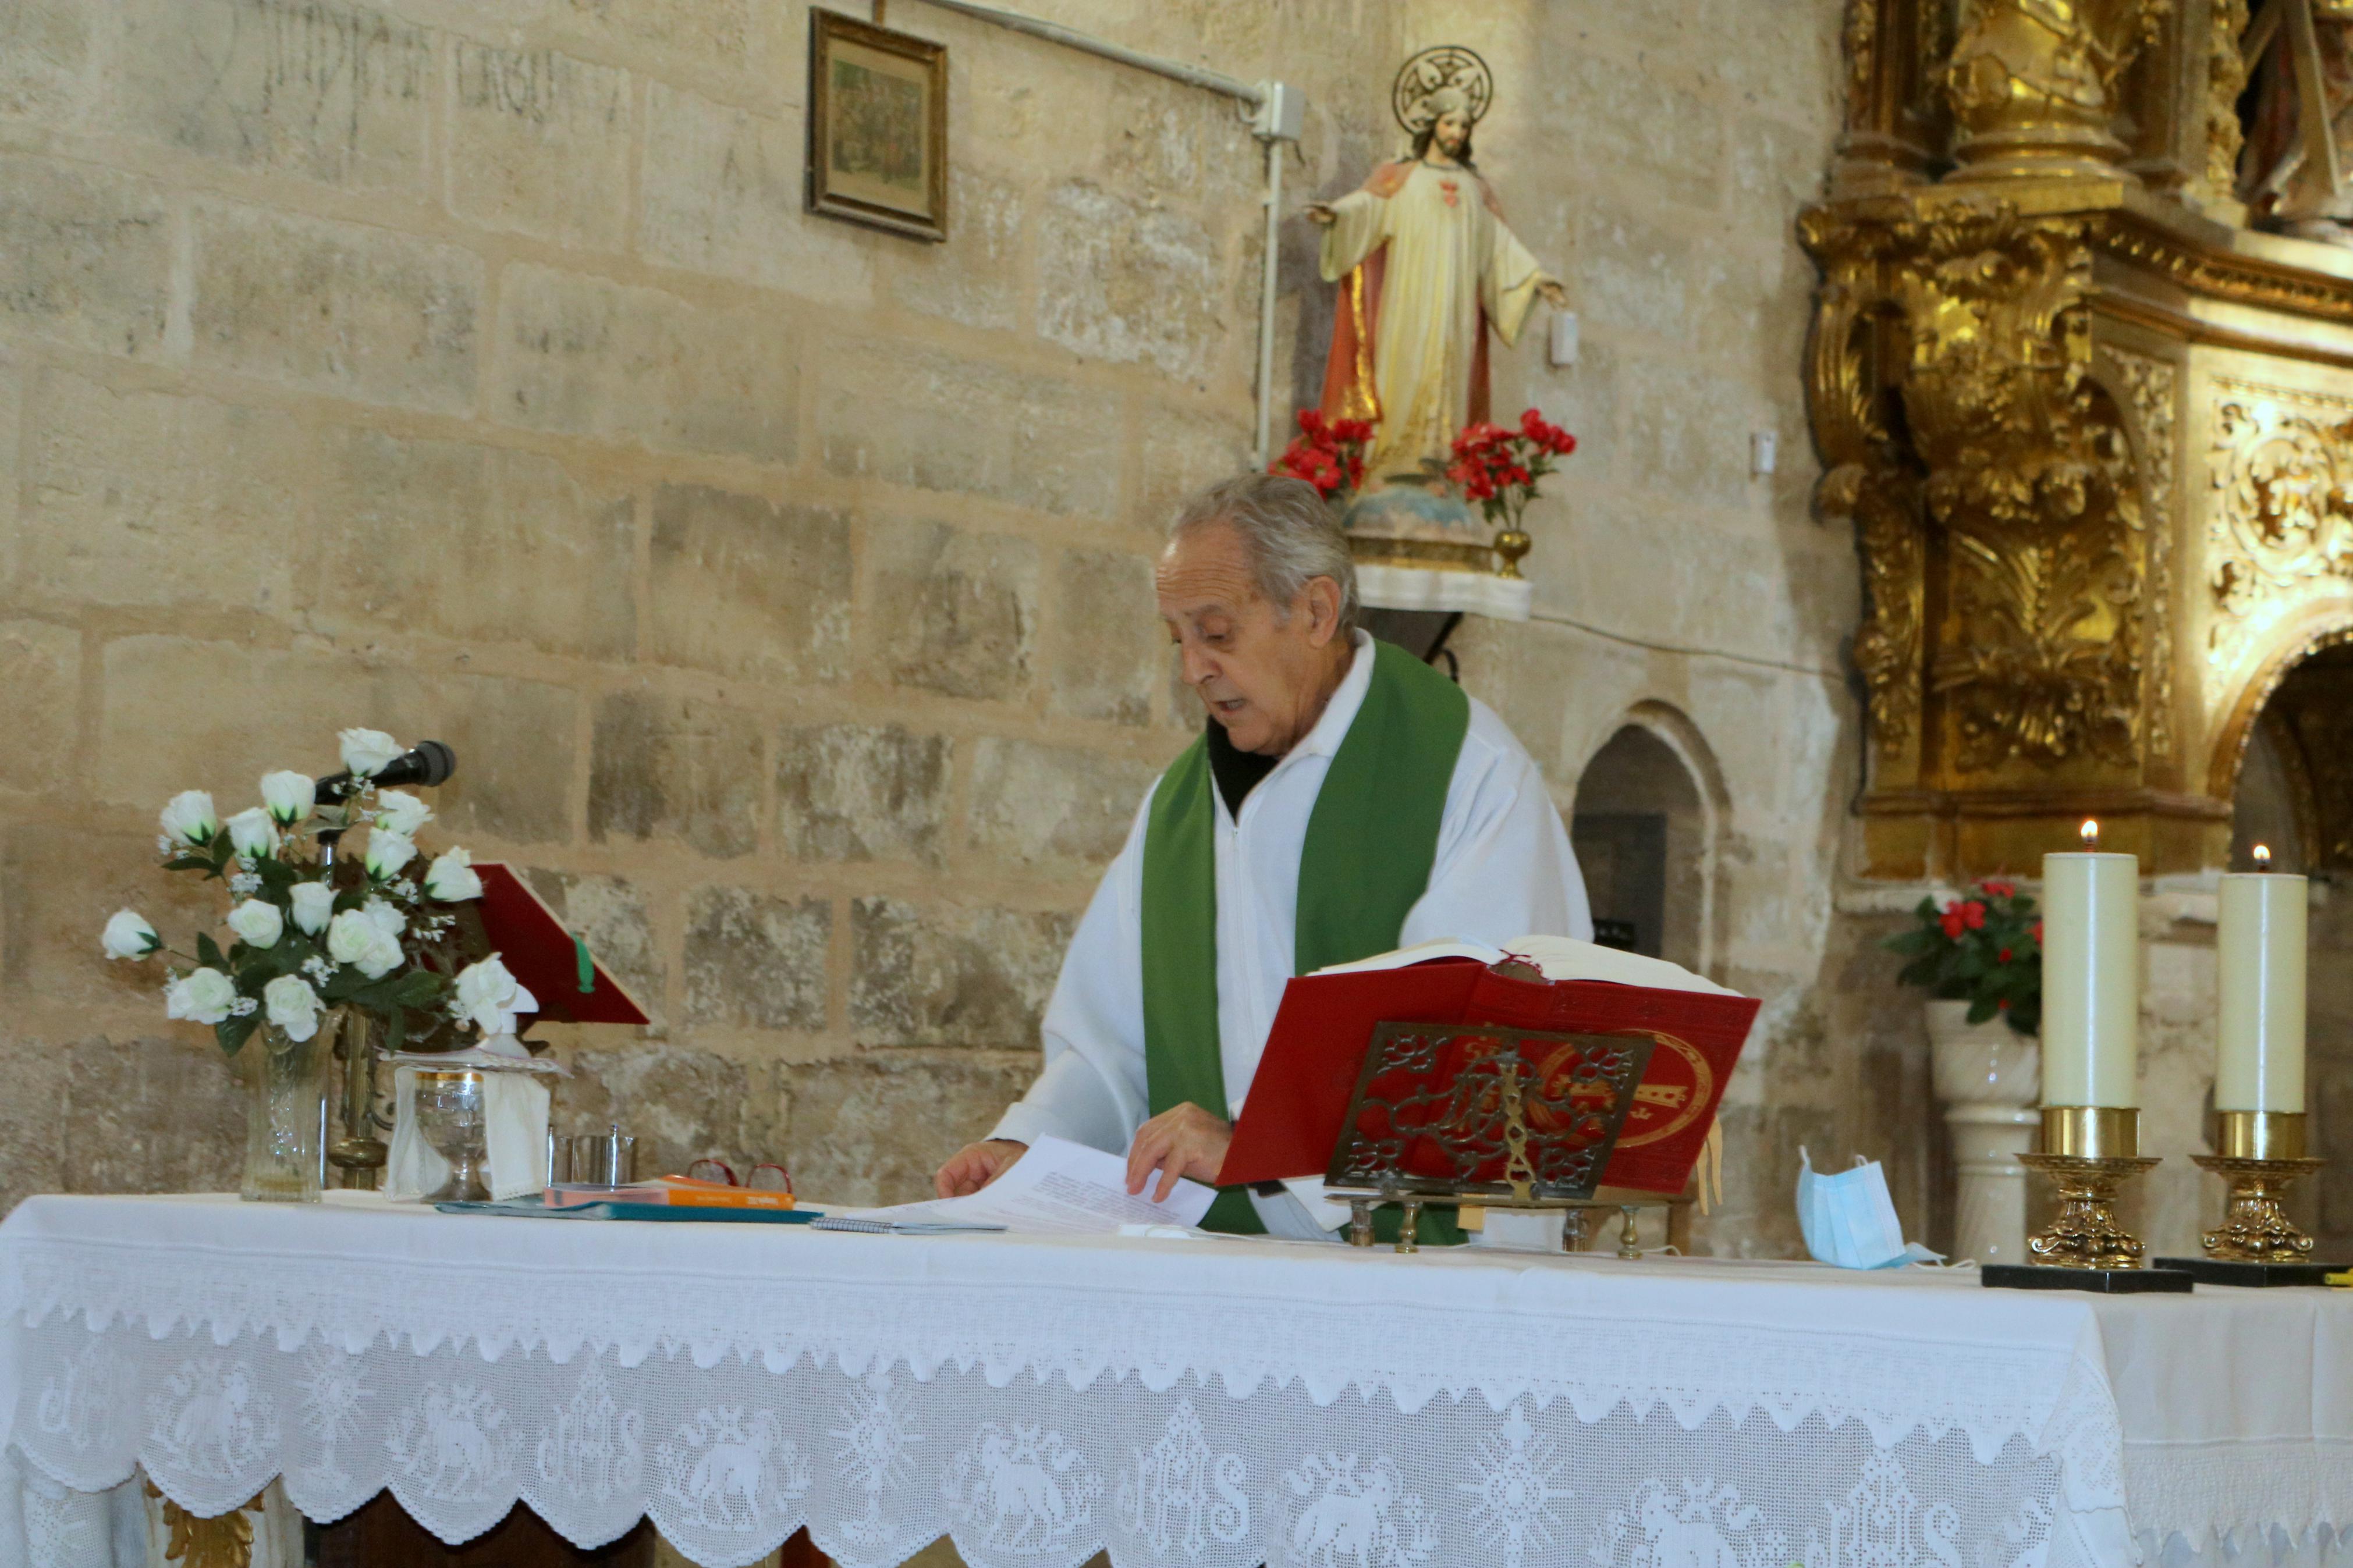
(311, 931)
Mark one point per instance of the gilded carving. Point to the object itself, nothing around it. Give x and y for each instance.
(1862, 44)
(1884, 503)
(1867, 479)
(2226, 79)
(225, 1540)
(2151, 387)
(2284, 515)
(2224, 276)
(2018, 458)
(2035, 80)
(2031, 480)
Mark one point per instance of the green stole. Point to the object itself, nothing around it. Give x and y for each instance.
(1371, 841)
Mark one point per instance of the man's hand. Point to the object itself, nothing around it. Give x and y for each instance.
(975, 1165)
(1186, 1142)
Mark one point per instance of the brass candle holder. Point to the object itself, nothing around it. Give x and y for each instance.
(2258, 1154)
(2088, 1151)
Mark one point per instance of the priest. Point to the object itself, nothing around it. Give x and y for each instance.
(1344, 799)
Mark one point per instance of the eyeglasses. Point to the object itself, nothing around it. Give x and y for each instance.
(764, 1177)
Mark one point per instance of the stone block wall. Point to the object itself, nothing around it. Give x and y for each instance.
(470, 370)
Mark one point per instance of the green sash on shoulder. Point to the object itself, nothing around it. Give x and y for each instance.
(1371, 841)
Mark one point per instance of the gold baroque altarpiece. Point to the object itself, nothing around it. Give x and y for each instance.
(2093, 431)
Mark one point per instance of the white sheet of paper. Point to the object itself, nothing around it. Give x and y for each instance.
(1058, 1188)
(1558, 957)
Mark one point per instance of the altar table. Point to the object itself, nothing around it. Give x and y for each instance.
(1188, 1403)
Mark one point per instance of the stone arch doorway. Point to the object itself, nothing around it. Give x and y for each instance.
(2294, 792)
(2293, 787)
(1644, 827)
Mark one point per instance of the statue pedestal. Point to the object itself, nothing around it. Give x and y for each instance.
(1420, 549)
(1384, 586)
(1990, 1078)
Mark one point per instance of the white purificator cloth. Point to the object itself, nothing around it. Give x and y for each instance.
(1184, 1402)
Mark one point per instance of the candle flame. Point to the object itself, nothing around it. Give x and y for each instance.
(2263, 856)
(2091, 834)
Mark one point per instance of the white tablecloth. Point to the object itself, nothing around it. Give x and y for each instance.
(1183, 1403)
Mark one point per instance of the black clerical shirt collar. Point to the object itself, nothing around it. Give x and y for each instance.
(1236, 772)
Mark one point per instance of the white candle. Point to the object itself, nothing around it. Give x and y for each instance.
(2259, 1046)
(2091, 978)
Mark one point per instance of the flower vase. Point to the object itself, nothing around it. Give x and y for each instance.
(285, 1116)
(1990, 1078)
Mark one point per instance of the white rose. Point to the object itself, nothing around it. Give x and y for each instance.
(385, 917)
(368, 753)
(384, 955)
(128, 935)
(293, 1006)
(387, 852)
(354, 939)
(350, 935)
(452, 878)
(489, 997)
(253, 834)
(288, 796)
(189, 818)
(314, 906)
(205, 996)
(259, 922)
(398, 811)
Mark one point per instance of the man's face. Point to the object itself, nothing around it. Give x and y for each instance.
(1454, 129)
(1261, 675)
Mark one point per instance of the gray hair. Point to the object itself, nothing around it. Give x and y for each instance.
(1289, 532)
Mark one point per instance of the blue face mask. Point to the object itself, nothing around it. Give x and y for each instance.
(1848, 1218)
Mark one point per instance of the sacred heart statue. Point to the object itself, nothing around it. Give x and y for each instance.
(1425, 267)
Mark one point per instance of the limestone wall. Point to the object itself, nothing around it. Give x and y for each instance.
(467, 368)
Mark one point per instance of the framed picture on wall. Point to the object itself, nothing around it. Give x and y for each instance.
(878, 126)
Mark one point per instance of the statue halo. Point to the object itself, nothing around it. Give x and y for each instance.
(1435, 70)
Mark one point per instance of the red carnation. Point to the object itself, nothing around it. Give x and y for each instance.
(1973, 915)
(1952, 923)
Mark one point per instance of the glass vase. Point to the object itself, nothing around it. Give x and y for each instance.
(285, 1114)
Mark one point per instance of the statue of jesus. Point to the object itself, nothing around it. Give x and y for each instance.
(1426, 266)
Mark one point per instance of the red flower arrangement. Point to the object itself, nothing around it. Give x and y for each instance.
(1500, 468)
(1328, 454)
(1985, 948)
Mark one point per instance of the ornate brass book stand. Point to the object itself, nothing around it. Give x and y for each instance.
(1453, 1114)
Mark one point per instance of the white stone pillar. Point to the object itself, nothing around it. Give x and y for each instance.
(1989, 1079)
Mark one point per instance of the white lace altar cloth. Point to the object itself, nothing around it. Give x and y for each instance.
(1185, 1403)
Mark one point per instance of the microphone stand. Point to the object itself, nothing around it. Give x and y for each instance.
(359, 1154)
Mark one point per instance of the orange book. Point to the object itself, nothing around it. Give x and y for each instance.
(679, 1191)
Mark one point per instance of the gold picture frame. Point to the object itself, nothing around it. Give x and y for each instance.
(878, 127)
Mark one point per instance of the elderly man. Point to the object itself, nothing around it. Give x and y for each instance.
(1344, 799)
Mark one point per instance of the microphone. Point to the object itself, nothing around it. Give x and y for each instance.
(427, 763)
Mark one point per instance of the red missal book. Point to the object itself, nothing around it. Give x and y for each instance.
(1298, 1100)
(554, 965)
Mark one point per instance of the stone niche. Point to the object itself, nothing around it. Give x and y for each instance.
(2083, 382)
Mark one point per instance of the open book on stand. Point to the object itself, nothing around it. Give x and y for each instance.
(1298, 1102)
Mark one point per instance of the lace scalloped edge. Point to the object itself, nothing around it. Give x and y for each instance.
(2304, 1489)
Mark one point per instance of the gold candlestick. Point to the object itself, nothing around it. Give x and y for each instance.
(2087, 1151)
(2258, 1154)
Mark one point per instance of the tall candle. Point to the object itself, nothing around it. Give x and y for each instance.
(2091, 978)
(2259, 1046)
